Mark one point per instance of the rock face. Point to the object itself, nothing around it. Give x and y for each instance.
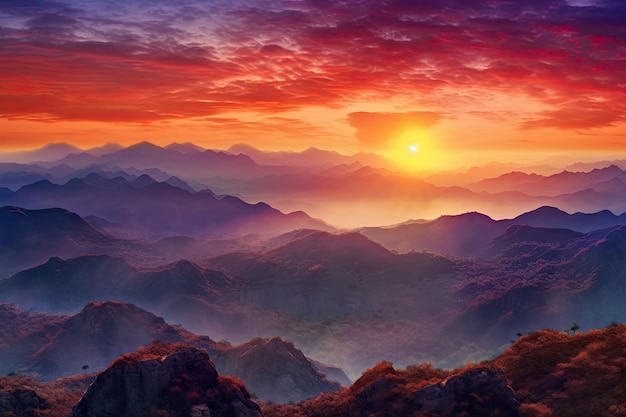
(183, 384)
(275, 370)
(20, 400)
(477, 392)
(97, 335)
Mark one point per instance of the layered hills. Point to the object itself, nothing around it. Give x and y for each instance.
(349, 191)
(346, 298)
(544, 373)
(157, 208)
(196, 236)
(470, 235)
(53, 346)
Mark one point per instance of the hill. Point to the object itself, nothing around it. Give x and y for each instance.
(182, 292)
(28, 237)
(58, 346)
(158, 208)
(346, 299)
(561, 374)
(469, 235)
(465, 235)
(544, 373)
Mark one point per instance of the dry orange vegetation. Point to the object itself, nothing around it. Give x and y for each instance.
(381, 390)
(55, 399)
(570, 375)
(552, 372)
(155, 350)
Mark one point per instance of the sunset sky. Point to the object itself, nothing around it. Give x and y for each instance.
(459, 80)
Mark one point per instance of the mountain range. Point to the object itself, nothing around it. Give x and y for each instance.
(469, 235)
(101, 249)
(342, 190)
(346, 298)
(274, 369)
(157, 208)
(544, 373)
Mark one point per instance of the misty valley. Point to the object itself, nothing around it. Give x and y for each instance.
(165, 280)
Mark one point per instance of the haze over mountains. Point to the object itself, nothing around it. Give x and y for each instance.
(327, 185)
(273, 369)
(347, 299)
(202, 238)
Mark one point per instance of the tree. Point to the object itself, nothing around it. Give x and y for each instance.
(85, 367)
(574, 328)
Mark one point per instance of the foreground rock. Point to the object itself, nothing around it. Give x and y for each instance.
(15, 402)
(418, 391)
(175, 379)
(478, 392)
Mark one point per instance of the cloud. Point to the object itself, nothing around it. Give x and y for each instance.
(375, 130)
(583, 114)
(162, 61)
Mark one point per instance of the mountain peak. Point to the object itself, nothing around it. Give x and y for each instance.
(60, 146)
(543, 211)
(472, 216)
(242, 148)
(144, 145)
(143, 180)
(186, 147)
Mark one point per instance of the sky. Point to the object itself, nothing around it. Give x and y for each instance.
(431, 84)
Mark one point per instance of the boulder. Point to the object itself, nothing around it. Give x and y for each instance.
(477, 392)
(20, 400)
(182, 384)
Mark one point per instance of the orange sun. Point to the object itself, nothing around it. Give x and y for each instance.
(414, 150)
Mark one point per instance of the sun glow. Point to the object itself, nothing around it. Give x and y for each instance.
(414, 150)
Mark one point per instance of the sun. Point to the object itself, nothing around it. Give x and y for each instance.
(414, 150)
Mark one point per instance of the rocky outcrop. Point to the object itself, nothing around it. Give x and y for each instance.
(332, 373)
(275, 370)
(97, 335)
(183, 383)
(477, 392)
(19, 401)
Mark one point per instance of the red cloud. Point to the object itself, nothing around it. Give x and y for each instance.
(580, 115)
(202, 60)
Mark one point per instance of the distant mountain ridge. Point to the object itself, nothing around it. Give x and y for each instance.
(311, 157)
(49, 152)
(557, 184)
(470, 234)
(327, 185)
(151, 207)
(186, 160)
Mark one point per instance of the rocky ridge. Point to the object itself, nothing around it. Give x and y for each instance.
(182, 382)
